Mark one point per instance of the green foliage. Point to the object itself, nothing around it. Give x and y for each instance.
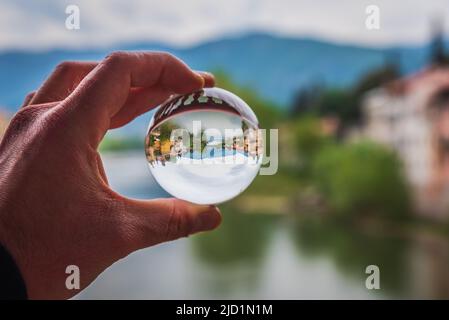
(283, 183)
(345, 104)
(375, 78)
(110, 143)
(361, 178)
(353, 179)
(308, 139)
(267, 112)
(438, 54)
(166, 130)
(340, 103)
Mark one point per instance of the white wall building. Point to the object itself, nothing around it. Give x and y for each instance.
(411, 116)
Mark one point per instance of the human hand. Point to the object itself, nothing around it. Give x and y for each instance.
(56, 208)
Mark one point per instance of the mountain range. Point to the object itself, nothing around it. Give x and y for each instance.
(274, 66)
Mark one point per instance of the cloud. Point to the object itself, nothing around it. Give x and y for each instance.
(41, 24)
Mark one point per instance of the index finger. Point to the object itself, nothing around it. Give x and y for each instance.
(104, 91)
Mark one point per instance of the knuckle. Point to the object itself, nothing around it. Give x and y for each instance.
(116, 58)
(28, 99)
(30, 95)
(65, 67)
(23, 120)
(167, 55)
(168, 58)
(45, 122)
(28, 114)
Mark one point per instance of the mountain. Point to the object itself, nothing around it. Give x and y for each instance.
(274, 66)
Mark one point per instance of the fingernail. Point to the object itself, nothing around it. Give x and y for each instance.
(203, 81)
(208, 78)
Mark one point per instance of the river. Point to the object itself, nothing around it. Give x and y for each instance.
(260, 256)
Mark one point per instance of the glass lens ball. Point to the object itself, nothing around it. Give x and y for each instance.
(204, 147)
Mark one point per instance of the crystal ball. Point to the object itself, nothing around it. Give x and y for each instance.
(204, 147)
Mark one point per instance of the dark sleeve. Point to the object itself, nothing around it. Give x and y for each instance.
(12, 285)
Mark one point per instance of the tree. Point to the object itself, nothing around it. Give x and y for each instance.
(362, 178)
(339, 103)
(376, 78)
(438, 55)
(305, 98)
(309, 140)
(345, 104)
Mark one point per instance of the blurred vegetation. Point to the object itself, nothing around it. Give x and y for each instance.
(344, 104)
(120, 143)
(309, 140)
(352, 179)
(361, 178)
(283, 183)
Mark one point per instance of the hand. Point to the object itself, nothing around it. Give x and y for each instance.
(56, 208)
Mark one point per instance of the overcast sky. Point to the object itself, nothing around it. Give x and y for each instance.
(40, 24)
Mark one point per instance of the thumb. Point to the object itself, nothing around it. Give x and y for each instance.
(151, 222)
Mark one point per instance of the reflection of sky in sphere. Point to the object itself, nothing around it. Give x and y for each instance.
(202, 150)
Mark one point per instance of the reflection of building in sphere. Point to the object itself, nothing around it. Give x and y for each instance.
(198, 147)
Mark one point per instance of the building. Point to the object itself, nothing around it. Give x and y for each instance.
(411, 116)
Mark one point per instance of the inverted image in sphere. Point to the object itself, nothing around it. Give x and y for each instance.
(204, 147)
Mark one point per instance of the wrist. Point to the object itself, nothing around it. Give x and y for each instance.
(12, 285)
(12, 280)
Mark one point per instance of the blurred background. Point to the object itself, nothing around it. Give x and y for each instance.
(363, 119)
